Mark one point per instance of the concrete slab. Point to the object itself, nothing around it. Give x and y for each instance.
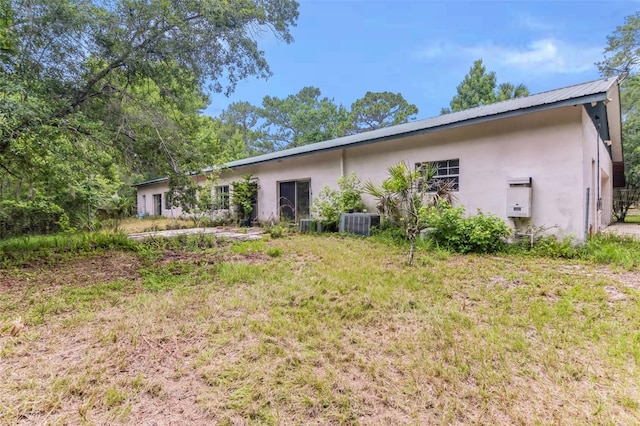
(250, 234)
(624, 229)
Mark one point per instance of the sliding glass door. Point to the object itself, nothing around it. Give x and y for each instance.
(294, 200)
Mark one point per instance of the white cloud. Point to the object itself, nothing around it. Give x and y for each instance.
(542, 56)
(529, 22)
(546, 55)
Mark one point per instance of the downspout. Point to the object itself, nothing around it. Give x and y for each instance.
(586, 215)
(599, 205)
(598, 212)
(343, 162)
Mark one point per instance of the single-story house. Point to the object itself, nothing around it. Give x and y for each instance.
(550, 160)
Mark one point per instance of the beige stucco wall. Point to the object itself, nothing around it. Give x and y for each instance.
(545, 146)
(592, 143)
(551, 147)
(322, 169)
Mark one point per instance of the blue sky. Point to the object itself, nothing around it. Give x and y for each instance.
(423, 49)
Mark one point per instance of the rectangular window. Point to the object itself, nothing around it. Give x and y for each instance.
(222, 197)
(168, 200)
(445, 171)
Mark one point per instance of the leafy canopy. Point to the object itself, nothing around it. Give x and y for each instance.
(96, 92)
(300, 119)
(622, 56)
(308, 117)
(379, 109)
(479, 87)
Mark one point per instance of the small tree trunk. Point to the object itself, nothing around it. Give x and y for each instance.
(412, 250)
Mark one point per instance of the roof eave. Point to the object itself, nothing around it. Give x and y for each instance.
(476, 120)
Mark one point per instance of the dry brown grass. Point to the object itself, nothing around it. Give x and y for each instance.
(153, 223)
(319, 330)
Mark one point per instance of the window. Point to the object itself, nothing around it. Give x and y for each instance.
(168, 200)
(222, 197)
(446, 171)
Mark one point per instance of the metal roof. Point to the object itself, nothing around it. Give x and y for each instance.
(573, 95)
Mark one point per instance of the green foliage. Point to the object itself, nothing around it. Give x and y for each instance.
(602, 248)
(451, 229)
(623, 49)
(307, 117)
(7, 44)
(479, 88)
(389, 232)
(623, 200)
(219, 141)
(622, 55)
(244, 195)
(274, 252)
(506, 91)
(377, 110)
(182, 242)
(330, 203)
(612, 249)
(277, 229)
(35, 216)
(245, 118)
(19, 251)
(326, 205)
(551, 246)
(300, 119)
(119, 208)
(195, 199)
(96, 93)
(65, 224)
(401, 197)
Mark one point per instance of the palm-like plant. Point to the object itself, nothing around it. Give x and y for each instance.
(508, 91)
(119, 208)
(401, 196)
(442, 191)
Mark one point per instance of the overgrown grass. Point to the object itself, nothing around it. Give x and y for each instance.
(322, 329)
(609, 249)
(22, 250)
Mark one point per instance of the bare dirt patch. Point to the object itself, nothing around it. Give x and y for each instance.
(91, 270)
(212, 258)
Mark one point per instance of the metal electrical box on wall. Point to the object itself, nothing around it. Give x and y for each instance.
(519, 197)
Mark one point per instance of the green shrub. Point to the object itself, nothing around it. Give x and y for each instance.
(450, 229)
(550, 246)
(330, 203)
(37, 216)
(277, 230)
(389, 232)
(244, 196)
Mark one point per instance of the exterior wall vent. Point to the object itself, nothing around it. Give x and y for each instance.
(358, 223)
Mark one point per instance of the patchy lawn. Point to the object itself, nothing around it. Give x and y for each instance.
(154, 223)
(318, 330)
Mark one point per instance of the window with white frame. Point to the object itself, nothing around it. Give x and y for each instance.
(222, 197)
(445, 171)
